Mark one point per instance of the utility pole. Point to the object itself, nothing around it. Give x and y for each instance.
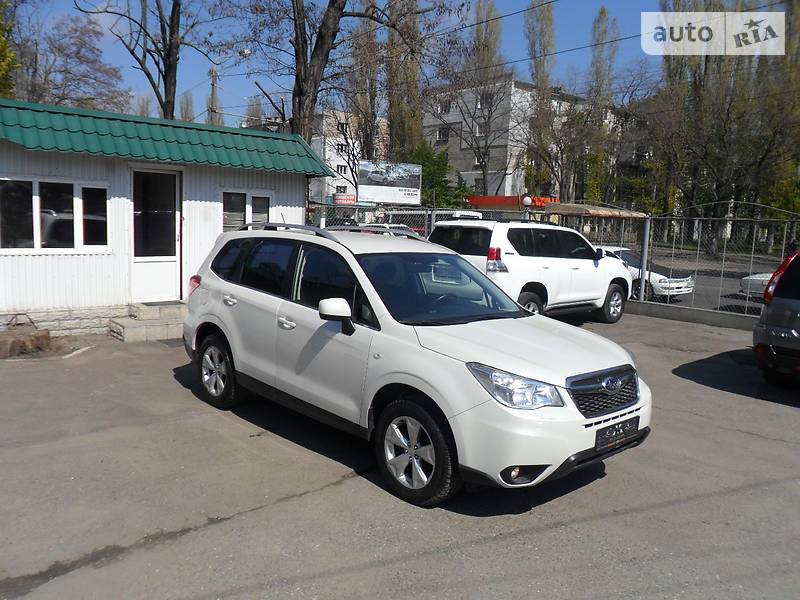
(213, 113)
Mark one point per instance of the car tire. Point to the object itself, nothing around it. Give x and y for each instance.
(531, 302)
(778, 378)
(648, 290)
(216, 374)
(415, 480)
(614, 305)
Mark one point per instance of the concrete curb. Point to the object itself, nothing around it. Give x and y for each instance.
(692, 315)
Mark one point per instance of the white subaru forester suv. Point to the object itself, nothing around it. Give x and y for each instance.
(408, 345)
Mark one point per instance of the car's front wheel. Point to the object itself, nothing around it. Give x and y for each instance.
(217, 376)
(414, 455)
(614, 306)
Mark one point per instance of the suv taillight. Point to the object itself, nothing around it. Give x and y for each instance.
(769, 291)
(494, 261)
(194, 283)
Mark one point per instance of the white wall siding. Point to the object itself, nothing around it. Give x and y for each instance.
(74, 278)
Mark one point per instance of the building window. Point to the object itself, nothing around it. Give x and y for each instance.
(480, 158)
(442, 134)
(56, 214)
(42, 215)
(341, 169)
(481, 129)
(479, 185)
(341, 127)
(341, 149)
(233, 210)
(16, 214)
(341, 189)
(484, 100)
(95, 216)
(443, 108)
(260, 209)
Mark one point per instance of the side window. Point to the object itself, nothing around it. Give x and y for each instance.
(522, 240)
(574, 246)
(363, 313)
(323, 274)
(545, 243)
(267, 265)
(226, 262)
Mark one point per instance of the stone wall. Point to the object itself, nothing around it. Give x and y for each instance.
(77, 321)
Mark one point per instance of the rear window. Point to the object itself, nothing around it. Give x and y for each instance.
(789, 285)
(472, 241)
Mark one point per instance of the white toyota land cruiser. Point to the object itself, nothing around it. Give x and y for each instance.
(545, 267)
(405, 343)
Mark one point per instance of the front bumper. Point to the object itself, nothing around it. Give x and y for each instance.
(673, 287)
(490, 438)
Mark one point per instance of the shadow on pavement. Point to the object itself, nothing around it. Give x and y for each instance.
(356, 454)
(736, 372)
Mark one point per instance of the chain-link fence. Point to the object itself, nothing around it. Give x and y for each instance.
(720, 264)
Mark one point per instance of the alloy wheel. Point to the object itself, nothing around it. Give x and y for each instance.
(409, 452)
(215, 373)
(615, 304)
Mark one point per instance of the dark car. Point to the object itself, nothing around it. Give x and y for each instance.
(776, 338)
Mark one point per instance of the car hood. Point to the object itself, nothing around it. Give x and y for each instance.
(537, 347)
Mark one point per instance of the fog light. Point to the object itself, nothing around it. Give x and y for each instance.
(514, 473)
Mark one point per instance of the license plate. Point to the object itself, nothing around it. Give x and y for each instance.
(617, 434)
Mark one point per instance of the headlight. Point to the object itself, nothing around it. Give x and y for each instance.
(662, 280)
(513, 390)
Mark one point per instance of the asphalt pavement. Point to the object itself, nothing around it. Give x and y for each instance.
(118, 482)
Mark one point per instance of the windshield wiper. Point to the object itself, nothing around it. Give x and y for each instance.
(421, 322)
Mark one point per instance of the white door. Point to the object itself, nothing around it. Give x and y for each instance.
(552, 271)
(588, 280)
(155, 272)
(318, 361)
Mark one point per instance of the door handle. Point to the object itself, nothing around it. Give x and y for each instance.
(576, 268)
(286, 323)
(229, 300)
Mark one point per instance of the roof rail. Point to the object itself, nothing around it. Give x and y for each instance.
(265, 226)
(377, 229)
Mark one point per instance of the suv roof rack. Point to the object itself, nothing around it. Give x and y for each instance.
(266, 226)
(396, 232)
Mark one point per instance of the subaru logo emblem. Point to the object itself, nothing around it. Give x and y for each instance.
(612, 384)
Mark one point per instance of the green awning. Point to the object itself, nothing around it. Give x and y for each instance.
(55, 128)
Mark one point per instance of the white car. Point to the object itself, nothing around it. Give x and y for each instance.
(544, 267)
(661, 281)
(406, 344)
(754, 285)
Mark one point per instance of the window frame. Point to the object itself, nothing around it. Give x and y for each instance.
(295, 279)
(78, 248)
(341, 169)
(339, 189)
(248, 202)
(440, 130)
(255, 242)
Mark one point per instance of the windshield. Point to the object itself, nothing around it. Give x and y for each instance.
(435, 289)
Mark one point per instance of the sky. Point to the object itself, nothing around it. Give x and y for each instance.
(573, 22)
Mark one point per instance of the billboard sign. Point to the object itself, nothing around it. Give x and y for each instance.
(389, 183)
(344, 199)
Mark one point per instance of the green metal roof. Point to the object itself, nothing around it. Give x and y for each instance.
(55, 128)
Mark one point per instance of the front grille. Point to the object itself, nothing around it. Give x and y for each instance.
(595, 393)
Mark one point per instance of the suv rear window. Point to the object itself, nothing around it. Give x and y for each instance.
(789, 285)
(472, 241)
(226, 262)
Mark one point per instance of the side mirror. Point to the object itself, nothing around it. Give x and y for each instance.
(337, 309)
(598, 254)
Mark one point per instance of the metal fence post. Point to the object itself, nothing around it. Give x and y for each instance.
(322, 216)
(722, 270)
(645, 257)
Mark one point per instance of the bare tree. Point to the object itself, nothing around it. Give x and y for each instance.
(187, 106)
(154, 32)
(254, 114)
(62, 64)
(307, 41)
(143, 105)
(402, 82)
